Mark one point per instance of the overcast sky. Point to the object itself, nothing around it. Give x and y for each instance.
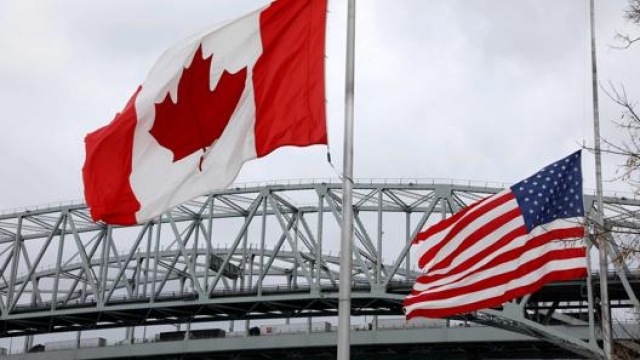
(481, 90)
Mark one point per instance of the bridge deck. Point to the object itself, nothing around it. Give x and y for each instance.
(474, 342)
(274, 302)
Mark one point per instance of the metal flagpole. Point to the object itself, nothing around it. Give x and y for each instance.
(344, 306)
(600, 238)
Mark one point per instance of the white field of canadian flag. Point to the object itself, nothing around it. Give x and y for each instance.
(222, 97)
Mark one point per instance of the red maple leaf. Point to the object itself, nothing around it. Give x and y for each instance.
(200, 115)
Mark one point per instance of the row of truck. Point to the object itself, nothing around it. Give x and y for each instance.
(263, 330)
(70, 344)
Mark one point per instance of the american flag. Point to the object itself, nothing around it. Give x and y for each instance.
(504, 246)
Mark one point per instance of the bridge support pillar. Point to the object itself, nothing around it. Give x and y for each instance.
(28, 343)
(130, 334)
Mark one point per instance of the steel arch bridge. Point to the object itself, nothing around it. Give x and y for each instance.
(263, 252)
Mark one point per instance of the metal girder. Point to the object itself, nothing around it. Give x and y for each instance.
(60, 271)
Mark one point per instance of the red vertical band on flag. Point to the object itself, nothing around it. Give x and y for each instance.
(289, 76)
(106, 171)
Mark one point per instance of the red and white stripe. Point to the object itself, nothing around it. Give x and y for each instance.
(483, 256)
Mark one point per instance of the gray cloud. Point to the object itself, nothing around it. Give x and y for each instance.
(487, 90)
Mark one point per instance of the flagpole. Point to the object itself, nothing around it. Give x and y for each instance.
(344, 295)
(600, 239)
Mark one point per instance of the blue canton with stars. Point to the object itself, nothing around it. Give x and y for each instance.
(555, 192)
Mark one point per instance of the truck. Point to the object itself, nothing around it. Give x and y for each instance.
(388, 324)
(73, 344)
(193, 334)
(207, 334)
(170, 336)
(295, 328)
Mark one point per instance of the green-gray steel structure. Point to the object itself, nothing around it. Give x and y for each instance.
(266, 252)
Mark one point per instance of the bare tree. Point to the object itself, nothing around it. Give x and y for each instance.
(632, 14)
(628, 244)
(630, 148)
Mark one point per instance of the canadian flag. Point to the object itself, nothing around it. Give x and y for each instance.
(222, 97)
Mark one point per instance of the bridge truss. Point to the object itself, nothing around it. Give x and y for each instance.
(265, 252)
